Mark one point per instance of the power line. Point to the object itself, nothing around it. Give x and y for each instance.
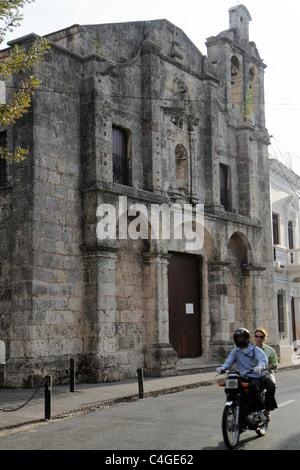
(289, 152)
(294, 190)
(120, 95)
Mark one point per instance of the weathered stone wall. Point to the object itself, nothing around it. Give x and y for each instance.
(105, 301)
(130, 313)
(46, 263)
(5, 265)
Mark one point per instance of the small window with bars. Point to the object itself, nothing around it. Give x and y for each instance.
(3, 163)
(224, 191)
(291, 240)
(281, 313)
(275, 226)
(120, 156)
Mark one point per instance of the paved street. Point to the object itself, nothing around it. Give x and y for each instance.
(189, 420)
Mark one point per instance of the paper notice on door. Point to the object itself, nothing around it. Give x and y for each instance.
(189, 308)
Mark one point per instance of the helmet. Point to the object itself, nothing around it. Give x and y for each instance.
(246, 335)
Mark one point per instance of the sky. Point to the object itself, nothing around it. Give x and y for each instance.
(274, 29)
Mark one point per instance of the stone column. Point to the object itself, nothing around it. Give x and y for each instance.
(151, 116)
(193, 174)
(100, 363)
(254, 302)
(218, 300)
(160, 357)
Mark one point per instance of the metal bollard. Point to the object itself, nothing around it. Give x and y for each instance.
(48, 396)
(140, 382)
(72, 375)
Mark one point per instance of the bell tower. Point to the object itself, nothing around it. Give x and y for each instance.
(239, 17)
(240, 98)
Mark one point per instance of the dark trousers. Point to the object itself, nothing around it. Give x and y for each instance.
(270, 386)
(256, 386)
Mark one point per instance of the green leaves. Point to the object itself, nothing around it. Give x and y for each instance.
(21, 59)
(18, 155)
(246, 106)
(20, 102)
(15, 61)
(10, 16)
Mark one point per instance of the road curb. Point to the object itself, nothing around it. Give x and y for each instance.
(126, 399)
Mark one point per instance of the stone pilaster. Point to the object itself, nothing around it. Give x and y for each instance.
(160, 357)
(218, 300)
(100, 362)
(151, 116)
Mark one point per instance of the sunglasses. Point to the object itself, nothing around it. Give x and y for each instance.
(258, 336)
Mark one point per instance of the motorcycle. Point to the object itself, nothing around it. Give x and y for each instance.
(238, 414)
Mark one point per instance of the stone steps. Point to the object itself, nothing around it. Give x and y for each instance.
(195, 366)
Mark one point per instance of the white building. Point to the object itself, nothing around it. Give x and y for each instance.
(285, 193)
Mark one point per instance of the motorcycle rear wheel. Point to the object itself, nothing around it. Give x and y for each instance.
(231, 431)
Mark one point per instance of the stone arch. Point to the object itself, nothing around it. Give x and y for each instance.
(236, 80)
(184, 241)
(239, 256)
(210, 249)
(240, 244)
(235, 66)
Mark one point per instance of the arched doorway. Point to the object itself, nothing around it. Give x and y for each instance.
(240, 304)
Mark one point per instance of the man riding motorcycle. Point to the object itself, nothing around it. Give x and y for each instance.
(246, 356)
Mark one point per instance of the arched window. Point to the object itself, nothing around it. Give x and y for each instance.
(251, 76)
(236, 80)
(235, 66)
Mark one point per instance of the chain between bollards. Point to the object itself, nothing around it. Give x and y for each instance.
(47, 382)
(48, 389)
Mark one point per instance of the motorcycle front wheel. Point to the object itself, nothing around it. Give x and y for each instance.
(231, 430)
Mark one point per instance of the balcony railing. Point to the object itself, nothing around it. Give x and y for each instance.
(285, 258)
(293, 257)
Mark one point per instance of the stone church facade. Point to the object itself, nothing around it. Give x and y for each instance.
(134, 115)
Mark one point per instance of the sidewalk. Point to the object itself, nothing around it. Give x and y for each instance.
(91, 396)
